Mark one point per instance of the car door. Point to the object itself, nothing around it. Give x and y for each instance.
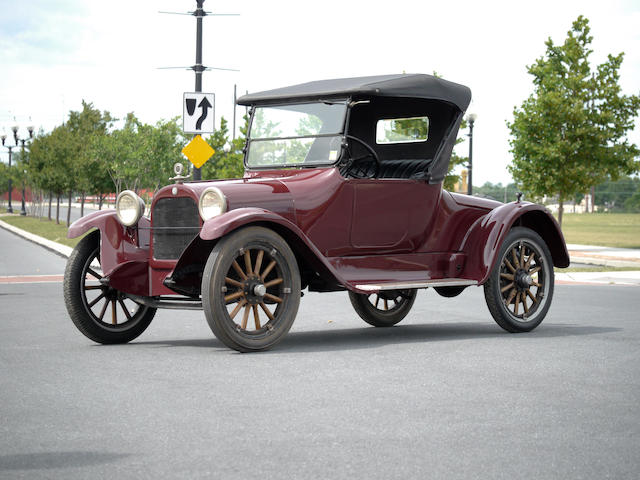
(391, 215)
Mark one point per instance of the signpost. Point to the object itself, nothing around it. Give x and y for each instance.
(198, 113)
(198, 116)
(198, 151)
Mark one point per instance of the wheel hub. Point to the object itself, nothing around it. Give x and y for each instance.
(254, 290)
(523, 280)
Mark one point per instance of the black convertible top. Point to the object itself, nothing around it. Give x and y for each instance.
(400, 85)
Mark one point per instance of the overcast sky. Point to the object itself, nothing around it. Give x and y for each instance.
(55, 53)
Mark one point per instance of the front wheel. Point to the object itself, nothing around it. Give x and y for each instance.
(103, 314)
(383, 309)
(520, 287)
(251, 289)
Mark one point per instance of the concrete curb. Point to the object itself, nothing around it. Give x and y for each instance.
(54, 247)
(599, 278)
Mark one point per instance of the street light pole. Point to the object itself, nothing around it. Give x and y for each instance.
(17, 141)
(23, 211)
(471, 118)
(4, 137)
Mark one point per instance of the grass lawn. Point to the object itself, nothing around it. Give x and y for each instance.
(605, 229)
(42, 227)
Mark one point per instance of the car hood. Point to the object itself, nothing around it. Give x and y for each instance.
(266, 189)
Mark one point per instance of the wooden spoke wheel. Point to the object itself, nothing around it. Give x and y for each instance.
(385, 308)
(100, 312)
(520, 287)
(251, 289)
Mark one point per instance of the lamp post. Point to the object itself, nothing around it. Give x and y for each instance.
(4, 138)
(23, 211)
(471, 118)
(17, 141)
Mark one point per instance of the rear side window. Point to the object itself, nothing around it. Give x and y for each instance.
(402, 130)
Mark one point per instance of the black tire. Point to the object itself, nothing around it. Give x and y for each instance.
(238, 268)
(523, 273)
(87, 300)
(367, 306)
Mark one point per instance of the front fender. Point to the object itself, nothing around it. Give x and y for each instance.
(98, 220)
(118, 244)
(195, 255)
(485, 237)
(219, 226)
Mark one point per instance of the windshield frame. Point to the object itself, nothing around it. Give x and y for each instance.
(334, 101)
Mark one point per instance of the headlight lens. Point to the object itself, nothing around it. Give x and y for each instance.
(212, 203)
(129, 208)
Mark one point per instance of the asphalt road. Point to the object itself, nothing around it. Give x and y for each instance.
(445, 394)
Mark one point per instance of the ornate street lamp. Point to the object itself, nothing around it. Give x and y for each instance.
(471, 118)
(4, 138)
(23, 211)
(17, 141)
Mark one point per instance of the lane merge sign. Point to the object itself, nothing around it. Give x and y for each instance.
(198, 113)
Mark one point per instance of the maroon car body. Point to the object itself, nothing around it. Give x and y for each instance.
(390, 227)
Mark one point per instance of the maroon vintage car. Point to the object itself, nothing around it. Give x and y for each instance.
(342, 191)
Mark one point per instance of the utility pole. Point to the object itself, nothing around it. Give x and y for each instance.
(198, 68)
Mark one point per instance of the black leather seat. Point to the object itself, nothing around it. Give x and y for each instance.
(393, 169)
(403, 168)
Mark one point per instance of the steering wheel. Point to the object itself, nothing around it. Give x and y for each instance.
(360, 172)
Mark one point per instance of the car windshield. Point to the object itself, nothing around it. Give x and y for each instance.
(296, 135)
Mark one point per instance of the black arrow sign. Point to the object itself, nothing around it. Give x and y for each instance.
(205, 107)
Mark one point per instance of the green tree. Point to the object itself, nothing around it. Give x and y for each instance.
(570, 134)
(51, 163)
(456, 161)
(499, 192)
(632, 204)
(4, 178)
(88, 172)
(613, 195)
(226, 164)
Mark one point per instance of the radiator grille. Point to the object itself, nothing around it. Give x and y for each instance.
(175, 223)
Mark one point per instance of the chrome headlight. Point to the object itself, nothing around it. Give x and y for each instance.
(212, 203)
(129, 208)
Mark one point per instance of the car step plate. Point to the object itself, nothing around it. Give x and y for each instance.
(441, 282)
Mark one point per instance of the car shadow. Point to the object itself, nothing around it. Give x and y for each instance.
(49, 460)
(375, 337)
(368, 337)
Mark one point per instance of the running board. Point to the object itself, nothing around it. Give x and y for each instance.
(442, 282)
(173, 303)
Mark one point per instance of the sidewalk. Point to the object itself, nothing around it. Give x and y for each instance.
(602, 257)
(587, 254)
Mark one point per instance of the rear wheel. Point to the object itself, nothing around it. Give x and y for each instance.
(251, 289)
(103, 314)
(520, 287)
(385, 308)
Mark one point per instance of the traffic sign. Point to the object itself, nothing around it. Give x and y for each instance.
(198, 112)
(198, 151)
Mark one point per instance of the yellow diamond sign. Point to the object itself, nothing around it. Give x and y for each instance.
(198, 151)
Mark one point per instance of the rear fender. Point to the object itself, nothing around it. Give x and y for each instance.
(118, 244)
(485, 237)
